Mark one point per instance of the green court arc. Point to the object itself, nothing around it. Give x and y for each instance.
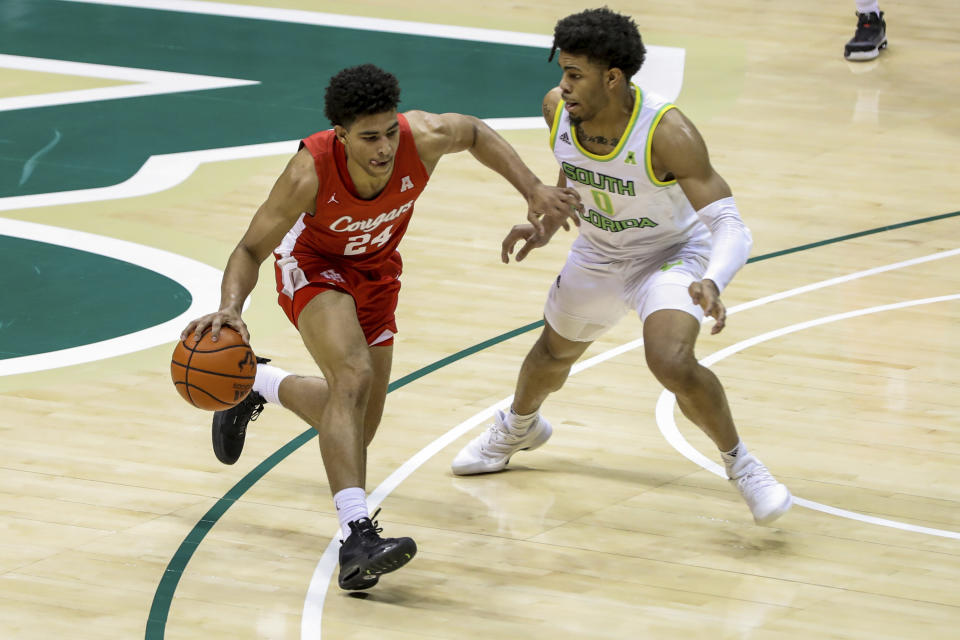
(160, 608)
(68, 297)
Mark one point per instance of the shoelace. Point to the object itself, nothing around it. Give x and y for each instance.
(866, 26)
(500, 439)
(757, 478)
(375, 529)
(257, 410)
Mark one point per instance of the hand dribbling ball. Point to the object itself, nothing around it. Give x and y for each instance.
(213, 375)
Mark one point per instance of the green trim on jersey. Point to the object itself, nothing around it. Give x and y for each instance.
(638, 100)
(556, 124)
(647, 152)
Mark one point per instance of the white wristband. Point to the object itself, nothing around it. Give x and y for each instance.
(731, 241)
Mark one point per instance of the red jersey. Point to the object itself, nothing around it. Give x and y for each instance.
(363, 234)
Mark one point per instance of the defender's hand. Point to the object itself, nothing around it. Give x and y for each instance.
(706, 294)
(561, 203)
(524, 232)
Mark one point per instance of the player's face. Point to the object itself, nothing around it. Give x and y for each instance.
(582, 86)
(371, 142)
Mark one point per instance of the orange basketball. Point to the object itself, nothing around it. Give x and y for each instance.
(213, 375)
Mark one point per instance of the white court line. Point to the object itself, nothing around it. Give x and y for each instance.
(310, 623)
(662, 71)
(201, 280)
(148, 82)
(320, 19)
(668, 426)
(158, 173)
(165, 171)
(312, 620)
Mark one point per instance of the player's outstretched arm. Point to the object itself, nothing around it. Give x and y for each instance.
(437, 134)
(532, 239)
(679, 150)
(294, 192)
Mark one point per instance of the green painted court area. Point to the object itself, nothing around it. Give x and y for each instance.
(57, 297)
(104, 143)
(63, 297)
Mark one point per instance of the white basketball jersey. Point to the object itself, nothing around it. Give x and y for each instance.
(628, 213)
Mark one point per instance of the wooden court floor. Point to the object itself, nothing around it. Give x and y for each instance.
(839, 360)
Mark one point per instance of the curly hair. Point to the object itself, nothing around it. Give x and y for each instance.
(603, 36)
(360, 91)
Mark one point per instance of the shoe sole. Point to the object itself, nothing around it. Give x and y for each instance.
(536, 444)
(357, 578)
(861, 56)
(359, 585)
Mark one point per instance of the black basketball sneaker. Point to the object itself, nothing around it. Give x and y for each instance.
(869, 38)
(365, 556)
(230, 426)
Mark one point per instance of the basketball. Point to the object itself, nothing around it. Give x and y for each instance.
(213, 375)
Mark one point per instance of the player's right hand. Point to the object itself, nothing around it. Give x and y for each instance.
(706, 294)
(214, 321)
(562, 204)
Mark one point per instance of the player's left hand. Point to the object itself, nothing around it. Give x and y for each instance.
(561, 203)
(519, 232)
(706, 294)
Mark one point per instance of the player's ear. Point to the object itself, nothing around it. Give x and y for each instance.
(613, 77)
(341, 132)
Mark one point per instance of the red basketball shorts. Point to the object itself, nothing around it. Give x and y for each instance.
(301, 277)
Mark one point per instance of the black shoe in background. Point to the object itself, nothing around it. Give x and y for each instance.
(869, 39)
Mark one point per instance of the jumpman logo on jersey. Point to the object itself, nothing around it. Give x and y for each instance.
(406, 183)
(333, 199)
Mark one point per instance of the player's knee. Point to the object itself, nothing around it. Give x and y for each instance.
(555, 353)
(547, 357)
(351, 379)
(674, 366)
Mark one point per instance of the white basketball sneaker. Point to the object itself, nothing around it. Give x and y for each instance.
(767, 498)
(491, 450)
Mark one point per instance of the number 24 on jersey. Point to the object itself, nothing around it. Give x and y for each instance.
(360, 244)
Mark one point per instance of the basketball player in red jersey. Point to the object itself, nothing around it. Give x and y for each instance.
(333, 222)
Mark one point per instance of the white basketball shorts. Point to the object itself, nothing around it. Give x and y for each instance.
(588, 298)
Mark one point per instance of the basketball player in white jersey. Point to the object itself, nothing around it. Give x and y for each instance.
(660, 235)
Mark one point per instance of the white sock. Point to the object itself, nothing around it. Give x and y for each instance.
(732, 457)
(267, 382)
(351, 505)
(520, 424)
(868, 6)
